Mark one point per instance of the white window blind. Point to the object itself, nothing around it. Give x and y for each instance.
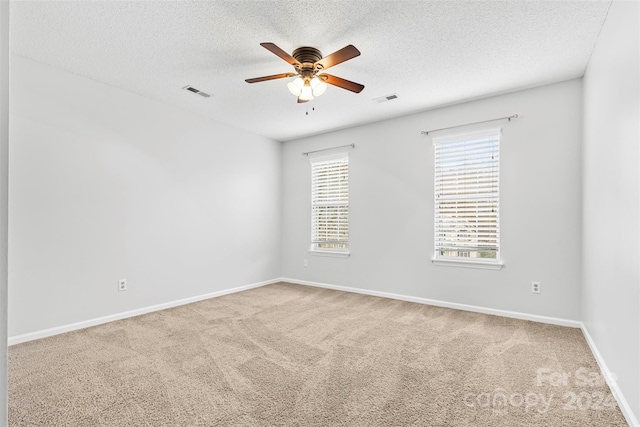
(467, 220)
(330, 203)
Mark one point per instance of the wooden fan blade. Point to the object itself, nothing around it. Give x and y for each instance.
(342, 83)
(272, 77)
(302, 101)
(279, 52)
(344, 54)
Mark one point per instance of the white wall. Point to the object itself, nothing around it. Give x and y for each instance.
(4, 145)
(391, 210)
(611, 185)
(106, 185)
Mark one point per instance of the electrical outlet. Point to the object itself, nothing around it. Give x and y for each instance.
(305, 263)
(535, 287)
(122, 285)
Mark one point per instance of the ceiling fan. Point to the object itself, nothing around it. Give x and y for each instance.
(308, 62)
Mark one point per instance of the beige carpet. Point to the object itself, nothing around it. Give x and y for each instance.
(289, 355)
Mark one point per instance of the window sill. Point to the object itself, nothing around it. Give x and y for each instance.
(483, 265)
(329, 253)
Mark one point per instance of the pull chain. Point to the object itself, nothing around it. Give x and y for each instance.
(307, 107)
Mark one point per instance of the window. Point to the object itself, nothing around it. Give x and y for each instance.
(467, 220)
(330, 205)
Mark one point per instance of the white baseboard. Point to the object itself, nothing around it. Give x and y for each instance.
(438, 303)
(17, 339)
(611, 380)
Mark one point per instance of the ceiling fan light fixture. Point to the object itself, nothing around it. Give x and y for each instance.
(306, 94)
(318, 86)
(295, 86)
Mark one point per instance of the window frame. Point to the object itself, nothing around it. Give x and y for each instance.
(313, 248)
(461, 261)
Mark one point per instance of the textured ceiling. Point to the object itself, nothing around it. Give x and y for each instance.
(428, 53)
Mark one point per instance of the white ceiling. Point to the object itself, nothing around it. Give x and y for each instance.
(428, 53)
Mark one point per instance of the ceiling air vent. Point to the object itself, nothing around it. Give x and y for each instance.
(197, 91)
(385, 98)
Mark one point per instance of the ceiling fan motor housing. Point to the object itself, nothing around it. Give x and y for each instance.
(307, 56)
